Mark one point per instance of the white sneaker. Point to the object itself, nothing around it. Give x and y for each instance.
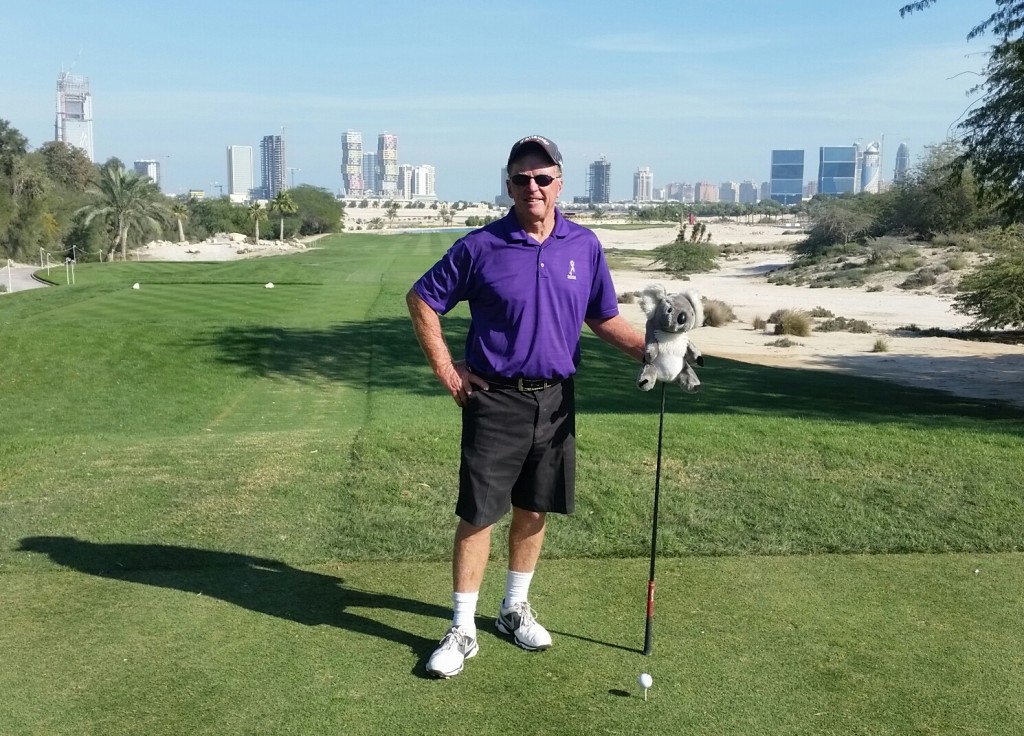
(520, 623)
(456, 647)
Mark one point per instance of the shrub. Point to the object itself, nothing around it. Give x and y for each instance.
(921, 278)
(821, 312)
(760, 323)
(782, 342)
(3, 288)
(687, 257)
(717, 313)
(628, 297)
(794, 322)
(875, 287)
(842, 324)
(881, 346)
(957, 262)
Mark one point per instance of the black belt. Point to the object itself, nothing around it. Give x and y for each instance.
(522, 384)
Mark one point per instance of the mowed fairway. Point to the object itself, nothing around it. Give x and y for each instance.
(227, 509)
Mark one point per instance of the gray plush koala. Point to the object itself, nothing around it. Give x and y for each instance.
(669, 354)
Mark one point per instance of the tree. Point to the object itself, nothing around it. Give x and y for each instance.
(179, 211)
(13, 145)
(67, 166)
(837, 221)
(391, 212)
(283, 204)
(992, 139)
(257, 213)
(319, 211)
(129, 202)
(994, 294)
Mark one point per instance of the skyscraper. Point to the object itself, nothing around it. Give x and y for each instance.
(423, 182)
(902, 163)
(150, 168)
(728, 191)
(786, 184)
(837, 170)
(370, 183)
(240, 173)
(74, 112)
(502, 199)
(352, 164)
(748, 192)
(387, 164)
(599, 182)
(871, 169)
(405, 175)
(273, 165)
(705, 191)
(643, 185)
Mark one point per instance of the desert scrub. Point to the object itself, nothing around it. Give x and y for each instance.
(957, 262)
(920, 279)
(875, 287)
(627, 297)
(760, 323)
(793, 322)
(843, 324)
(717, 313)
(819, 312)
(881, 346)
(782, 342)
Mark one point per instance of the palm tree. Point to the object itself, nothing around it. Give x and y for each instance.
(257, 213)
(391, 211)
(128, 202)
(285, 205)
(180, 212)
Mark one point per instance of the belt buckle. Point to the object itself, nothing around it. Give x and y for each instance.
(520, 387)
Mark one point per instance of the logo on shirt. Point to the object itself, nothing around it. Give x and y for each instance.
(572, 271)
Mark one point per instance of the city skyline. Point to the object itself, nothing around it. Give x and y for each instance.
(687, 93)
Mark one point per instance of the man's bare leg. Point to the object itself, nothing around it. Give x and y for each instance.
(469, 560)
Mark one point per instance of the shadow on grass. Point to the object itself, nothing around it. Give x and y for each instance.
(383, 353)
(262, 585)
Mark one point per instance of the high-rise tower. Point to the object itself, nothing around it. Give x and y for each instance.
(74, 112)
(150, 168)
(387, 164)
(352, 164)
(871, 169)
(273, 165)
(599, 182)
(786, 184)
(902, 163)
(240, 173)
(643, 185)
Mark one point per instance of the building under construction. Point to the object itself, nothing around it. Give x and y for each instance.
(74, 112)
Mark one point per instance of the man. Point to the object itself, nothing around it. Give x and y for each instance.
(531, 280)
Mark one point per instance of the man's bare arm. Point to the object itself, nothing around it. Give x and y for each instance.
(454, 376)
(620, 334)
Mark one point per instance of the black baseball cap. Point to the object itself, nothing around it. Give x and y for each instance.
(546, 145)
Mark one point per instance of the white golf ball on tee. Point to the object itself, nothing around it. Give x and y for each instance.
(645, 680)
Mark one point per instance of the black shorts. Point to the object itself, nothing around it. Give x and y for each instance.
(518, 449)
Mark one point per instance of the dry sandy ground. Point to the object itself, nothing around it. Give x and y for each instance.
(972, 369)
(967, 368)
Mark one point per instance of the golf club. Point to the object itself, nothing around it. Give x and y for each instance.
(649, 632)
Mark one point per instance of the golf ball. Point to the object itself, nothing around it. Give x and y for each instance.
(645, 680)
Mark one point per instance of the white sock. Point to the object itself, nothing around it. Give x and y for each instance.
(465, 611)
(517, 587)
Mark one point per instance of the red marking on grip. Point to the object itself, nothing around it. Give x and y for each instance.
(650, 598)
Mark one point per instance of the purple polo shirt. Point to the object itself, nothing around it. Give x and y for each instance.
(527, 302)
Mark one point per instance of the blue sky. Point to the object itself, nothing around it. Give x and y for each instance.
(695, 90)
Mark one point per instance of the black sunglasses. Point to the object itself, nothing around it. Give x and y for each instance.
(522, 180)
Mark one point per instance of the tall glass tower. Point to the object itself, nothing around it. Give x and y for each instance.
(599, 182)
(273, 166)
(902, 163)
(837, 170)
(786, 185)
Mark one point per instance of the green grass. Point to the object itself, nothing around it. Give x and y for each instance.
(227, 509)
